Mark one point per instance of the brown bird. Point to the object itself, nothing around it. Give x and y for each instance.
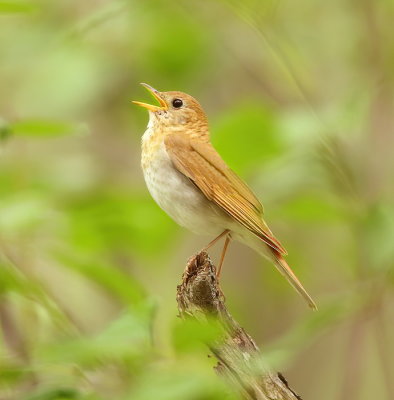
(189, 180)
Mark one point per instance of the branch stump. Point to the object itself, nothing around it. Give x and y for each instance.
(240, 361)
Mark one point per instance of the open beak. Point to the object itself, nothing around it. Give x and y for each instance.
(156, 94)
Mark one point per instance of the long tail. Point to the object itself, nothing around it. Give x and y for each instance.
(286, 271)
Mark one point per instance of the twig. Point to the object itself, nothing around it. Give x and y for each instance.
(239, 359)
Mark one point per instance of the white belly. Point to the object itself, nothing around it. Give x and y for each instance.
(180, 198)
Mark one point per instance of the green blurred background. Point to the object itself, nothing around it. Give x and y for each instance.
(300, 100)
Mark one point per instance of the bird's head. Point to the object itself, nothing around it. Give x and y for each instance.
(176, 111)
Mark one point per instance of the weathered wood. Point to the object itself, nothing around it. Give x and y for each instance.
(239, 359)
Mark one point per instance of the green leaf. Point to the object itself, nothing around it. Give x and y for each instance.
(378, 235)
(121, 219)
(5, 130)
(175, 47)
(127, 339)
(17, 7)
(13, 280)
(56, 394)
(247, 136)
(116, 282)
(22, 212)
(190, 379)
(44, 128)
(190, 334)
(311, 208)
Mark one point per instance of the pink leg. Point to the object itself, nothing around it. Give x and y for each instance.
(226, 243)
(210, 244)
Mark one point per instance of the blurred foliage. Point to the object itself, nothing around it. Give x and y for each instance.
(300, 99)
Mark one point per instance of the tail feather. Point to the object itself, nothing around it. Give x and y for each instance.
(286, 271)
(274, 256)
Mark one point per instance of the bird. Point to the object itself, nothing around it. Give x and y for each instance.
(190, 181)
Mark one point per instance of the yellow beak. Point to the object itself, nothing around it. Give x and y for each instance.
(156, 94)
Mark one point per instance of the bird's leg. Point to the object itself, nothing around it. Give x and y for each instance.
(210, 244)
(226, 243)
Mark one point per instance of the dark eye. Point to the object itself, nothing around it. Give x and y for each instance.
(177, 103)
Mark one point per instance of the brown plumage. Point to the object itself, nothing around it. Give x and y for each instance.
(191, 182)
(219, 184)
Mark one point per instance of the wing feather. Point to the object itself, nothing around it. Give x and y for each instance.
(200, 162)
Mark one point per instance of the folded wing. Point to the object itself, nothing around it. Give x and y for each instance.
(200, 162)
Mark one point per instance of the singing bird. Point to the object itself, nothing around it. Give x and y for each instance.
(189, 180)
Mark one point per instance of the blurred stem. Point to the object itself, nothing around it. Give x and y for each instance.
(15, 341)
(353, 361)
(384, 355)
(48, 300)
(12, 336)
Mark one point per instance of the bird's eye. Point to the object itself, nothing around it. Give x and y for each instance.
(177, 103)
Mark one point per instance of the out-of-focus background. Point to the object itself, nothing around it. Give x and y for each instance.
(300, 100)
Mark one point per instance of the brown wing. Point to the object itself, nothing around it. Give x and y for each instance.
(200, 162)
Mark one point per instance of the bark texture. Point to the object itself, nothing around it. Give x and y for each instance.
(239, 359)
